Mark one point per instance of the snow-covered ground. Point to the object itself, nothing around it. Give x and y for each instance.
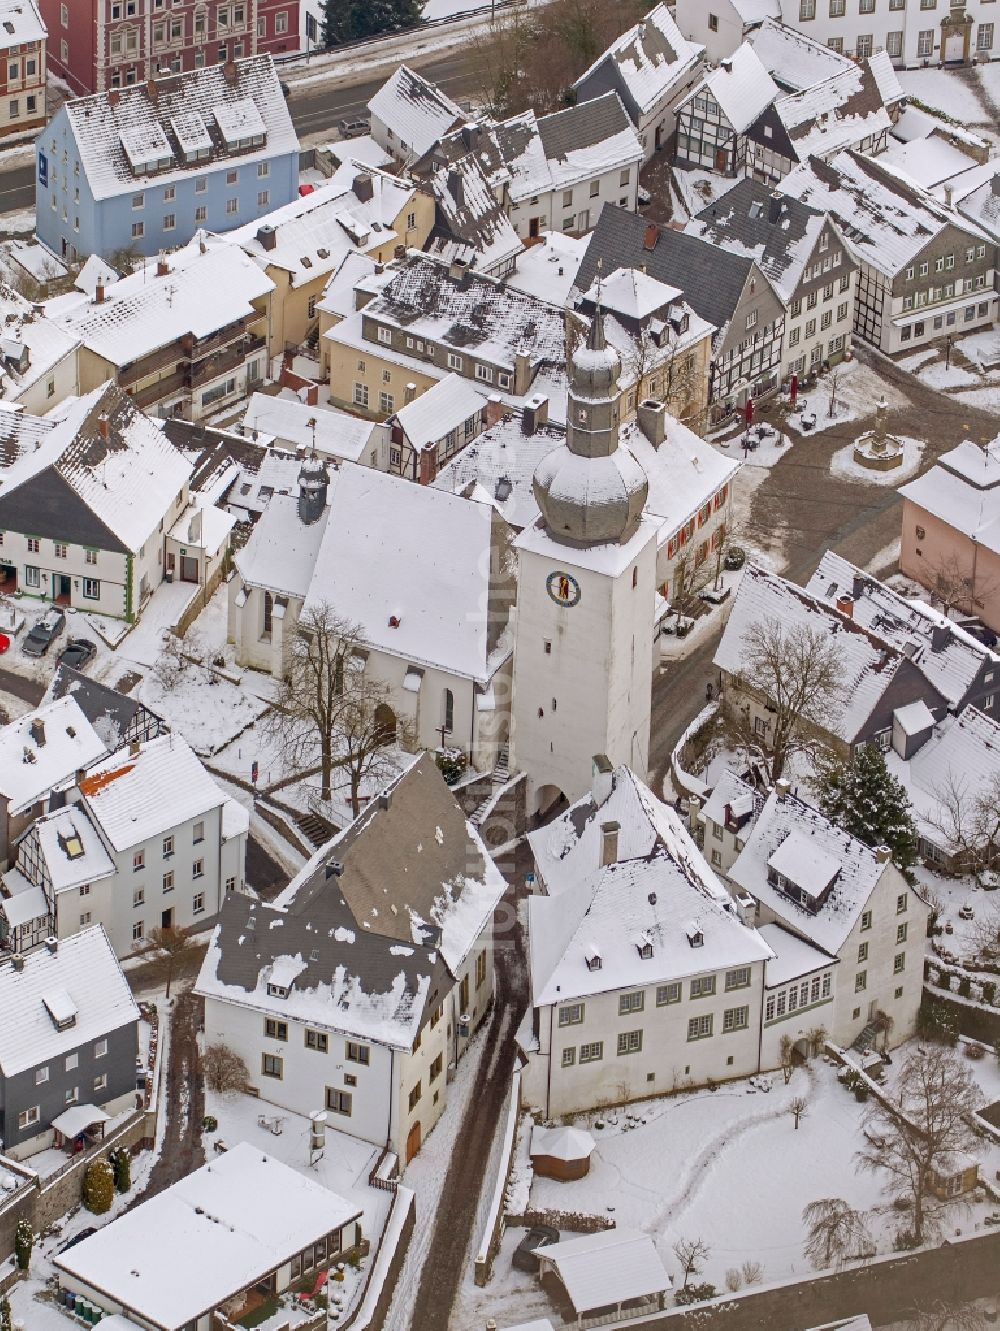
(858, 389)
(698, 189)
(843, 464)
(941, 89)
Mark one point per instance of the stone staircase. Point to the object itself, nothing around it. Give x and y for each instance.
(501, 771)
(315, 828)
(865, 1042)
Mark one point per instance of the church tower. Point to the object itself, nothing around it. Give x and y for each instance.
(583, 655)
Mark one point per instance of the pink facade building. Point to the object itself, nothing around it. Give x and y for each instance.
(951, 530)
(96, 45)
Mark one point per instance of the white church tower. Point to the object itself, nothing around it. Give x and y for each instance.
(583, 656)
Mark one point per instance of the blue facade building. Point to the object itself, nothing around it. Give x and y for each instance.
(146, 167)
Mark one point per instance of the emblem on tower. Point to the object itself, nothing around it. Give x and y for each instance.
(563, 588)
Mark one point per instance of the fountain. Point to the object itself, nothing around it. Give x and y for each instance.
(877, 449)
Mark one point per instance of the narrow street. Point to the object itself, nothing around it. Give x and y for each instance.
(183, 1098)
(455, 1222)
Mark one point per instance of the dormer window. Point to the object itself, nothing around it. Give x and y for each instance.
(646, 951)
(694, 935)
(277, 990)
(594, 959)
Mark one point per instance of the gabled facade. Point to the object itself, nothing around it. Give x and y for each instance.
(714, 120)
(923, 270)
(723, 27)
(69, 1041)
(40, 362)
(433, 429)
(409, 114)
(86, 514)
(142, 169)
(651, 67)
(23, 41)
(358, 989)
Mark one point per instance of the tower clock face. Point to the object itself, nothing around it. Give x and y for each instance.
(563, 588)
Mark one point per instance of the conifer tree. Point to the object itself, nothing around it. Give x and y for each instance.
(354, 20)
(865, 799)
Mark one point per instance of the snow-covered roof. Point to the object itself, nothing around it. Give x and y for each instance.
(287, 420)
(548, 270)
(134, 796)
(914, 718)
(115, 459)
(78, 1118)
(128, 137)
(25, 903)
(793, 956)
(25, 331)
(225, 1226)
(607, 1267)
(756, 11)
(960, 761)
(794, 60)
(71, 849)
(501, 463)
(951, 659)
(841, 111)
(210, 285)
(309, 237)
(43, 750)
(410, 565)
(339, 293)
(558, 151)
(802, 862)
(112, 714)
(740, 85)
(203, 526)
(812, 839)
(647, 62)
(981, 205)
(470, 224)
(368, 932)
(20, 23)
(930, 160)
(416, 110)
(962, 489)
(632, 293)
(730, 792)
(82, 967)
(561, 1143)
(868, 663)
(657, 887)
(444, 407)
(886, 220)
(362, 151)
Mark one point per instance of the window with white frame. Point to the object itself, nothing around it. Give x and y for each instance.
(630, 1042)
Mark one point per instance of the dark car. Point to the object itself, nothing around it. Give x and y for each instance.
(78, 1238)
(77, 653)
(353, 129)
(41, 637)
(526, 1253)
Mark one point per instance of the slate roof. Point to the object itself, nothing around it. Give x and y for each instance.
(948, 657)
(712, 279)
(794, 60)
(375, 927)
(885, 219)
(182, 109)
(109, 712)
(469, 223)
(739, 223)
(644, 65)
(416, 110)
(840, 111)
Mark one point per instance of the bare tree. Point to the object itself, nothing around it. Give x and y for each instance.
(753, 1272)
(691, 1253)
(366, 729)
(173, 943)
(179, 658)
(833, 385)
(786, 1048)
(883, 1024)
(969, 819)
(224, 1069)
(798, 1108)
(947, 1315)
(955, 582)
(817, 1039)
(906, 1138)
(835, 1232)
(797, 671)
(308, 713)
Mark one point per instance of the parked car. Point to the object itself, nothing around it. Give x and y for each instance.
(78, 1238)
(526, 1253)
(77, 653)
(735, 557)
(353, 129)
(643, 197)
(43, 634)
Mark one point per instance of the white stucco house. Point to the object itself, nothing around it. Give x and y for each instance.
(358, 988)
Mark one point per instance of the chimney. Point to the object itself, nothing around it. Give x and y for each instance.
(81, 773)
(162, 266)
(949, 194)
(37, 731)
(495, 410)
(522, 372)
(312, 395)
(470, 135)
(882, 854)
(428, 464)
(409, 393)
(602, 779)
(726, 65)
(104, 425)
(653, 421)
(609, 843)
(940, 637)
(457, 269)
(747, 909)
(781, 789)
(114, 97)
(845, 604)
(774, 208)
(313, 483)
(267, 237)
(133, 748)
(363, 187)
(693, 805)
(651, 237)
(456, 187)
(858, 586)
(534, 413)
(18, 964)
(152, 91)
(52, 946)
(995, 185)
(229, 73)
(99, 292)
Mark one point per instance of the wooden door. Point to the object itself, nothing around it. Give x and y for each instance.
(412, 1142)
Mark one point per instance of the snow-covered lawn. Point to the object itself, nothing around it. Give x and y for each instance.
(940, 375)
(698, 189)
(988, 399)
(858, 389)
(843, 464)
(981, 348)
(767, 454)
(205, 708)
(941, 89)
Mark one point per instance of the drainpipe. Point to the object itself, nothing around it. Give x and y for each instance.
(548, 1076)
(392, 1083)
(975, 562)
